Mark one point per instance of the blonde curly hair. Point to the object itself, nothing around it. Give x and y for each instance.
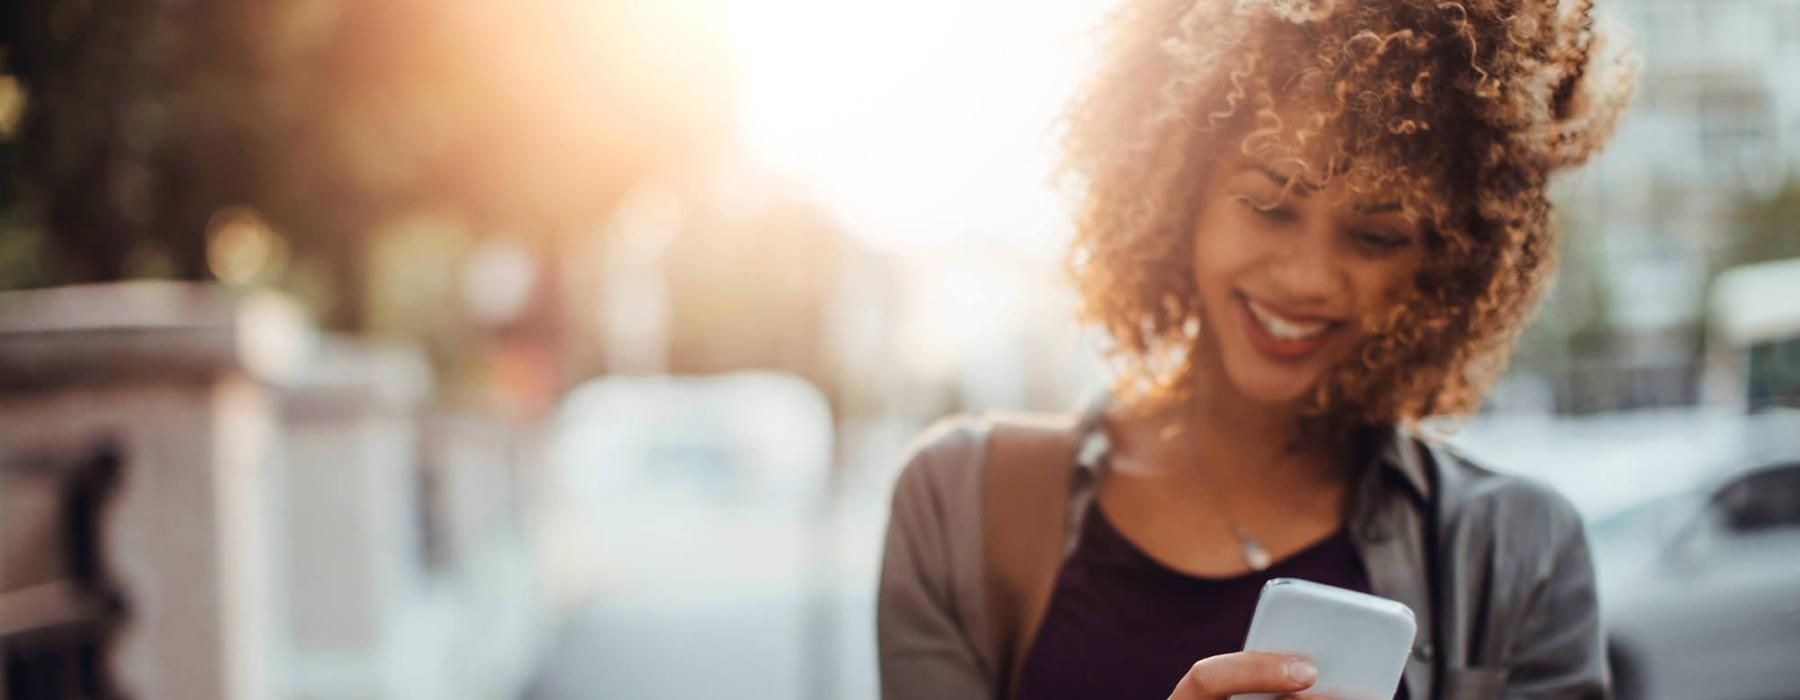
(1460, 110)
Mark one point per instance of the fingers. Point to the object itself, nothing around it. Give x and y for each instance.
(1219, 677)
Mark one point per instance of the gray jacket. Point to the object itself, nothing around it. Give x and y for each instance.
(1516, 616)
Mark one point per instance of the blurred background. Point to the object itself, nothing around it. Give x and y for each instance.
(568, 349)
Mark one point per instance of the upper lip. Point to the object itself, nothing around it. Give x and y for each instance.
(1289, 313)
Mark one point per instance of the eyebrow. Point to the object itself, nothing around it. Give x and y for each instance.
(1303, 190)
(1306, 188)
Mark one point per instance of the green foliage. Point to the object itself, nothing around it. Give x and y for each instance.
(1769, 228)
(1573, 321)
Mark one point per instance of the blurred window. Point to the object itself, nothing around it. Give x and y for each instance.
(698, 460)
(1774, 374)
(1789, 34)
(1737, 136)
(1766, 500)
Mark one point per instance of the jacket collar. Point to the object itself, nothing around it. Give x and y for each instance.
(1398, 450)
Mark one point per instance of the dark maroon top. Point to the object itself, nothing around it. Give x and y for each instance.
(1124, 626)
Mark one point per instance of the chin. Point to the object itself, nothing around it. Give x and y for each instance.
(1272, 384)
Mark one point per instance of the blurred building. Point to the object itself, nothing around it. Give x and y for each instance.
(1714, 128)
(202, 499)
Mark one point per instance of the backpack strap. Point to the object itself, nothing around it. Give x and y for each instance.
(1025, 492)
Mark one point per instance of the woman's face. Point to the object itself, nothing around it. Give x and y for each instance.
(1284, 287)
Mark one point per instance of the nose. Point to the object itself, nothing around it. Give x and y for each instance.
(1306, 269)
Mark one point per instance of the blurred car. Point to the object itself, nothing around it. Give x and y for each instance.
(704, 516)
(1700, 588)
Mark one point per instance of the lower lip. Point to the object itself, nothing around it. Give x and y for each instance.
(1281, 349)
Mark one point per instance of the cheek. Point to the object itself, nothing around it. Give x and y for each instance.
(1377, 286)
(1219, 251)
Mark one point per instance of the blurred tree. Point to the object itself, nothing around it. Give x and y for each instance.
(329, 118)
(753, 290)
(1572, 324)
(1769, 228)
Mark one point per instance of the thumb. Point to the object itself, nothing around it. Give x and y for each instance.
(1219, 677)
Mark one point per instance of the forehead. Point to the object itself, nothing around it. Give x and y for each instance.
(1298, 181)
(1287, 138)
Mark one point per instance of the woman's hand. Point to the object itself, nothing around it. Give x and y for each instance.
(1220, 677)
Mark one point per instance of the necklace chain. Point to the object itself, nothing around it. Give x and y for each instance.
(1254, 553)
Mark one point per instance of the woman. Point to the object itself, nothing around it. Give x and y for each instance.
(1306, 227)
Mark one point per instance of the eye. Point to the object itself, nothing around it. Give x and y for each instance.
(1379, 241)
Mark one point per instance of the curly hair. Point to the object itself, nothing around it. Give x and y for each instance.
(1458, 109)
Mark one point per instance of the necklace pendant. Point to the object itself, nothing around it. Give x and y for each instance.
(1254, 555)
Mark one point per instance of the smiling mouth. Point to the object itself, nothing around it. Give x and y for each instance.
(1283, 337)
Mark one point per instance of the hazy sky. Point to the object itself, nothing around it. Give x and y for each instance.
(918, 122)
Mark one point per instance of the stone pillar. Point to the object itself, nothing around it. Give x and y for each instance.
(179, 376)
(474, 464)
(353, 564)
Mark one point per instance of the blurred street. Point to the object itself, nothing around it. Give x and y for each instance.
(806, 633)
(459, 350)
(766, 596)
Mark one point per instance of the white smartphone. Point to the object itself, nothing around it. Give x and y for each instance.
(1358, 641)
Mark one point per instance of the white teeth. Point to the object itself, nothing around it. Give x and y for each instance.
(1283, 328)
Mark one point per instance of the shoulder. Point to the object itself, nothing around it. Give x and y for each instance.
(943, 459)
(1526, 602)
(951, 454)
(1470, 483)
(933, 549)
(1515, 517)
(936, 497)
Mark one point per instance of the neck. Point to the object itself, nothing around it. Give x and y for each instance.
(1240, 439)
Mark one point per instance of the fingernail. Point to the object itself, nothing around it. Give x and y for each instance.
(1302, 671)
